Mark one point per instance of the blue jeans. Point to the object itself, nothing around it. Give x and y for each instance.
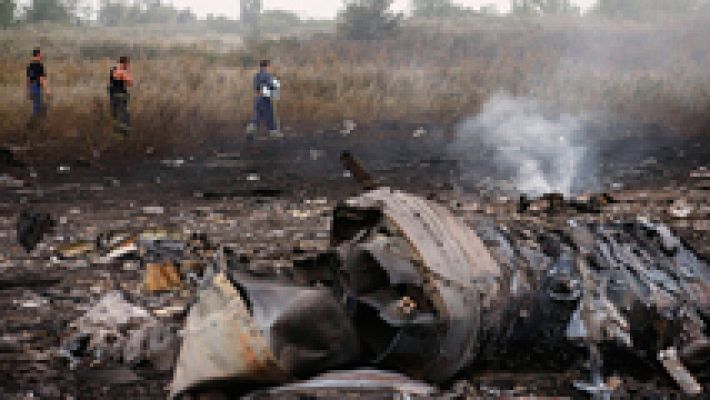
(36, 96)
(264, 111)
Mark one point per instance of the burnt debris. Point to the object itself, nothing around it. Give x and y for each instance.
(31, 228)
(408, 286)
(460, 295)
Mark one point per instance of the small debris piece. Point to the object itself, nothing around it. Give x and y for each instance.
(670, 361)
(406, 305)
(77, 249)
(10, 182)
(122, 249)
(419, 132)
(187, 266)
(153, 210)
(680, 210)
(151, 342)
(358, 171)
(169, 311)
(31, 228)
(614, 382)
(178, 162)
(103, 330)
(8, 160)
(161, 277)
(316, 154)
(116, 331)
(348, 127)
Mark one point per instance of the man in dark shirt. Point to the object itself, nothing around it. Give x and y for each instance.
(265, 88)
(37, 84)
(120, 78)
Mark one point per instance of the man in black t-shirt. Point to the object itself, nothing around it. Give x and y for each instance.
(37, 85)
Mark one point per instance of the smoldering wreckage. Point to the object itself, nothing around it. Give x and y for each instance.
(407, 286)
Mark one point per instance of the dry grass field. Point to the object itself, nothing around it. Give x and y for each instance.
(191, 86)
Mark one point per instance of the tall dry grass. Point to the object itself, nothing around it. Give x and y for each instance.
(440, 73)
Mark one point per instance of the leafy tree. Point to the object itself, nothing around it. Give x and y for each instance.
(521, 8)
(641, 8)
(434, 8)
(7, 12)
(186, 16)
(368, 19)
(543, 7)
(618, 8)
(489, 9)
(49, 10)
(250, 12)
(220, 23)
(119, 12)
(278, 21)
(113, 13)
(158, 12)
(556, 7)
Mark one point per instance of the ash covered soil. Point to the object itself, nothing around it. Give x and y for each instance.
(270, 201)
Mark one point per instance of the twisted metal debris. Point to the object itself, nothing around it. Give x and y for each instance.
(412, 288)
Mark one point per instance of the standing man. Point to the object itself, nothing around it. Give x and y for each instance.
(120, 78)
(265, 89)
(37, 85)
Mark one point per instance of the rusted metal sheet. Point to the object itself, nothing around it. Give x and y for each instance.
(222, 342)
(261, 332)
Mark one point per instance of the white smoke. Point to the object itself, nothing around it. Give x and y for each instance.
(537, 153)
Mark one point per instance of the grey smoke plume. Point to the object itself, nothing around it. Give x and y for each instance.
(515, 140)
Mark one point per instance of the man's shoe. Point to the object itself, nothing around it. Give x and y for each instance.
(251, 128)
(276, 134)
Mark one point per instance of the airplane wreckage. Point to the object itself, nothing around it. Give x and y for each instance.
(408, 286)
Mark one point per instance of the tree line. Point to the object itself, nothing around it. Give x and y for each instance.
(372, 19)
(359, 18)
(607, 8)
(110, 12)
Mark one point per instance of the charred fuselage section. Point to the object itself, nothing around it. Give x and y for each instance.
(620, 293)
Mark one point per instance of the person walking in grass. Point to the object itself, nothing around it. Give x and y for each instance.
(266, 89)
(37, 85)
(120, 79)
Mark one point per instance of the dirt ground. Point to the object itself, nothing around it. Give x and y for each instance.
(270, 201)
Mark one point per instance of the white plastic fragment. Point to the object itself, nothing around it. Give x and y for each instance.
(153, 210)
(670, 361)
